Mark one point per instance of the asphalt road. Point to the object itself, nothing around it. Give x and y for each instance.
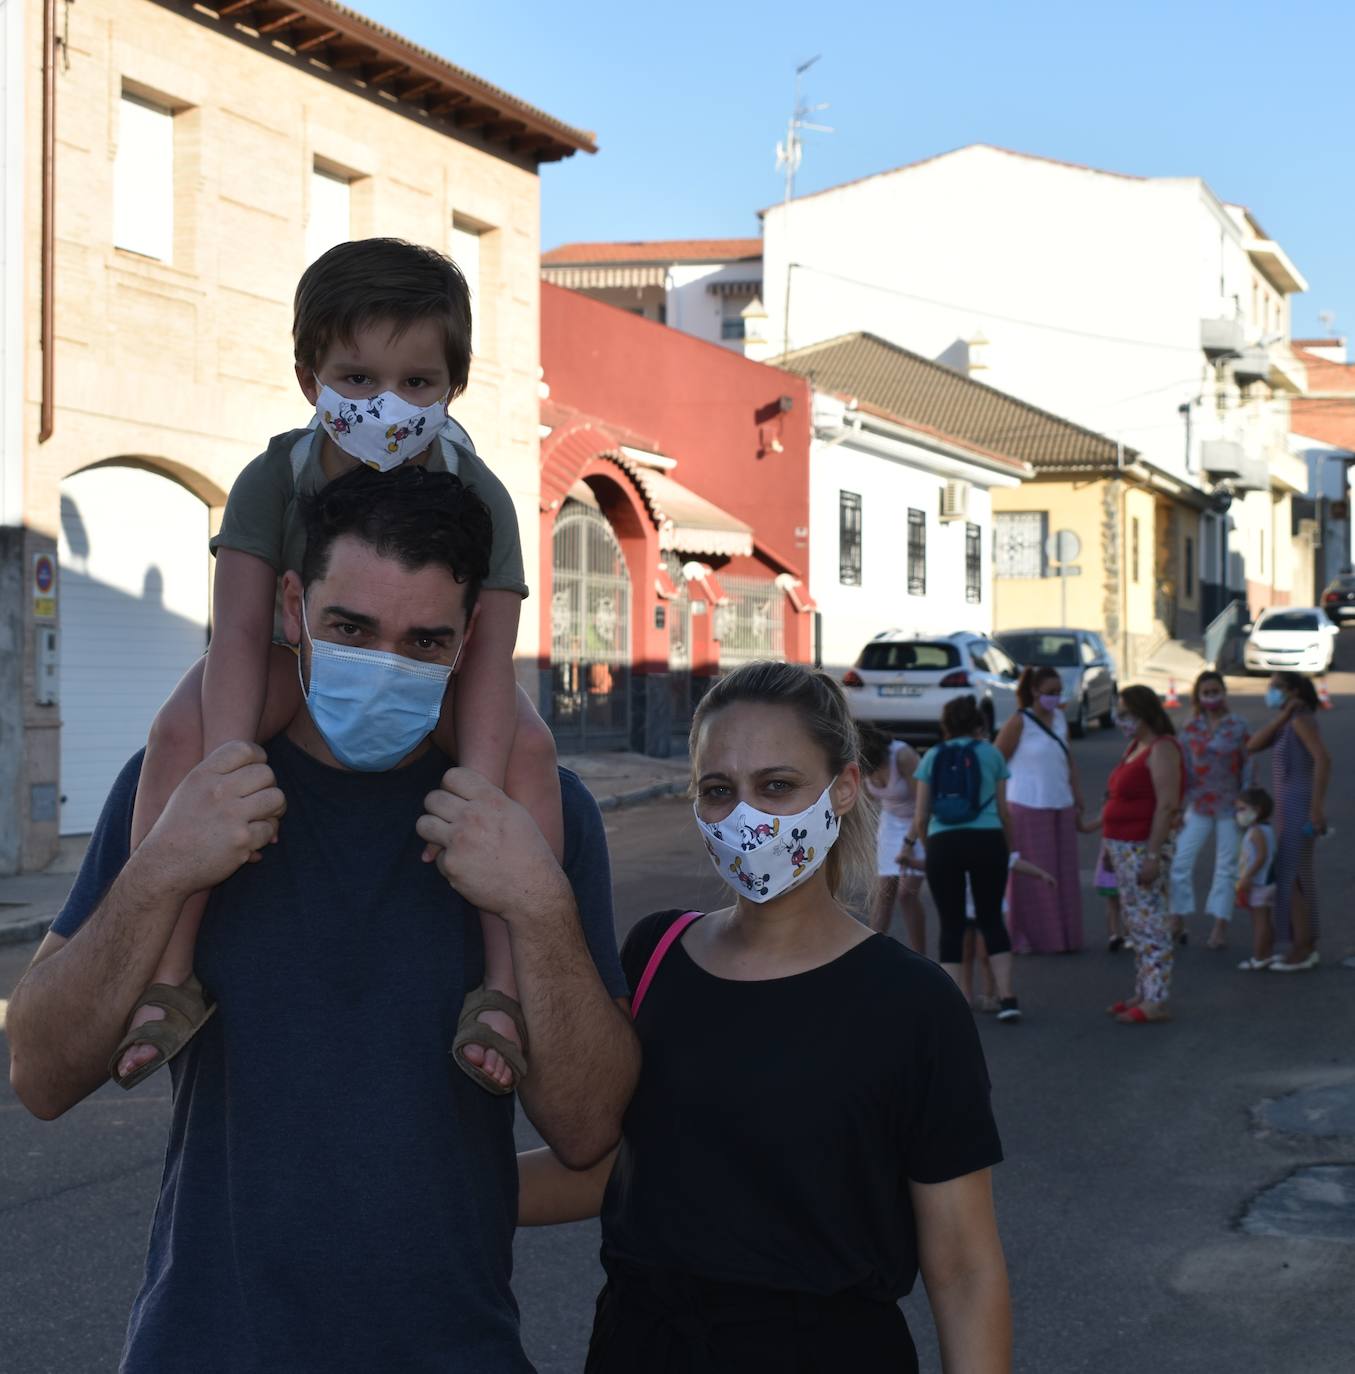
(1131, 1152)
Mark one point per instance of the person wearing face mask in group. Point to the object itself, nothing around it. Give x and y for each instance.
(1300, 771)
(1214, 742)
(782, 1178)
(1044, 796)
(1143, 800)
(381, 333)
(336, 1198)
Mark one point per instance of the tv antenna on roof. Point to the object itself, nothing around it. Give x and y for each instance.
(789, 155)
(1328, 318)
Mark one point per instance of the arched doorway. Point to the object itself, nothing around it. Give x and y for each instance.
(134, 608)
(590, 632)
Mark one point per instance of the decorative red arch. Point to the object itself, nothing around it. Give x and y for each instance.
(588, 452)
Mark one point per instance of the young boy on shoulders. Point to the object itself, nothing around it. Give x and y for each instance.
(381, 335)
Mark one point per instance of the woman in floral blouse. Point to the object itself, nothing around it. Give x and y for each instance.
(1215, 745)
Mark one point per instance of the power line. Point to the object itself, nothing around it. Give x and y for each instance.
(982, 313)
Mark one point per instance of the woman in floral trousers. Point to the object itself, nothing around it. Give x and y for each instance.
(1142, 806)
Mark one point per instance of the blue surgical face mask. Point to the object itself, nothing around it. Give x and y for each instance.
(370, 707)
(1274, 697)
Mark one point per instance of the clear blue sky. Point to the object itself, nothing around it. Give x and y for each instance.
(689, 100)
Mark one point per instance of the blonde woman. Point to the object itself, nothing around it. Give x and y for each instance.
(779, 1185)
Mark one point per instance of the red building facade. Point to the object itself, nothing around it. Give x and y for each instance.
(674, 521)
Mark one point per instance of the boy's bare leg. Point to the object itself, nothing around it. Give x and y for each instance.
(533, 781)
(175, 747)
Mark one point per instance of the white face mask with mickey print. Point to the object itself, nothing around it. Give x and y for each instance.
(381, 431)
(763, 856)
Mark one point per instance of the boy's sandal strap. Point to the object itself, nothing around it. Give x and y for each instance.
(186, 1012)
(472, 1031)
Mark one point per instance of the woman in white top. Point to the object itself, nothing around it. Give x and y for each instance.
(887, 768)
(1044, 797)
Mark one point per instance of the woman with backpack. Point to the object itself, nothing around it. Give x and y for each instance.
(1045, 800)
(776, 1190)
(962, 811)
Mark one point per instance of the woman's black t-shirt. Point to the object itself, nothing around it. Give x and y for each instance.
(776, 1124)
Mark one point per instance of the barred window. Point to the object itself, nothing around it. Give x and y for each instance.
(973, 565)
(849, 538)
(917, 553)
(1018, 543)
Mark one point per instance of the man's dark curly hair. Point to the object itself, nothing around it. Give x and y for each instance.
(412, 515)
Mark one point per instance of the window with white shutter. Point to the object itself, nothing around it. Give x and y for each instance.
(143, 179)
(330, 220)
(466, 254)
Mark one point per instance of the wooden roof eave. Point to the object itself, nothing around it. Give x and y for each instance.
(350, 46)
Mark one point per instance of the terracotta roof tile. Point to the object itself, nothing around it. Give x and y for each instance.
(655, 250)
(913, 390)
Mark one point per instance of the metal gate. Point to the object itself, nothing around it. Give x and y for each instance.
(590, 633)
(749, 624)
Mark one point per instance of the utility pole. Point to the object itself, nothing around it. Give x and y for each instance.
(788, 155)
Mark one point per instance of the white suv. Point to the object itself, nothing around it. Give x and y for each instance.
(901, 680)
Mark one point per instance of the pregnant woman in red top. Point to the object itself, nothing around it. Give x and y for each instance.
(1143, 802)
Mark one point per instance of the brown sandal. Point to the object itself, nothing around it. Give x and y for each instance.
(472, 1031)
(186, 1012)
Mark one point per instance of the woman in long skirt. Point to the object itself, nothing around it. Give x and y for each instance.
(1044, 797)
(1299, 775)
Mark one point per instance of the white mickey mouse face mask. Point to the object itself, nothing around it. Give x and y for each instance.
(762, 856)
(382, 431)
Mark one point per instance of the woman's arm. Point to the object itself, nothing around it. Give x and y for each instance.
(1004, 815)
(1164, 767)
(1305, 727)
(1010, 735)
(960, 1256)
(550, 1193)
(922, 813)
(235, 678)
(1075, 782)
(1265, 736)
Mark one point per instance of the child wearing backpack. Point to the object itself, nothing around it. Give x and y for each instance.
(962, 811)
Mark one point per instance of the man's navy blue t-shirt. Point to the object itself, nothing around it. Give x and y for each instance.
(337, 1195)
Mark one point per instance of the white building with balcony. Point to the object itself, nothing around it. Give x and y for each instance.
(708, 288)
(1145, 309)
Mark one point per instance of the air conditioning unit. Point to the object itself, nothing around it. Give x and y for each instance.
(955, 500)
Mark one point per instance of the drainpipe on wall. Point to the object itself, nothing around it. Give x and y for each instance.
(46, 422)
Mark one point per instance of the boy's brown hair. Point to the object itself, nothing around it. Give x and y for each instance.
(355, 284)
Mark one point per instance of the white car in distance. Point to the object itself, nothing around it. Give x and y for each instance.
(901, 680)
(1294, 639)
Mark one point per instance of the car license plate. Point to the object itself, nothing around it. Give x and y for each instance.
(894, 691)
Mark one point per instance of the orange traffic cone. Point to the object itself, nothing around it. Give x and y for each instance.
(1323, 695)
(1173, 701)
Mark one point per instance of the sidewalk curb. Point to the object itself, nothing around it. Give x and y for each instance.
(672, 788)
(23, 932)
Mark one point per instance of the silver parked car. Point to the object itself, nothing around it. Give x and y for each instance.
(1084, 664)
(901, 680)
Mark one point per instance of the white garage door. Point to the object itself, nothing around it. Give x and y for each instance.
(134, 570)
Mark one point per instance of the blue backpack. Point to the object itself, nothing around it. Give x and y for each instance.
(957, 783)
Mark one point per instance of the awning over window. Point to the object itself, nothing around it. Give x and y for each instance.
(688, 523)
(734, 288)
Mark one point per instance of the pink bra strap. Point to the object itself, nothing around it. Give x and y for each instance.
(670, 937)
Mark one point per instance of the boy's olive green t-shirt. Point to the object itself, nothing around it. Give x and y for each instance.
(263, 516)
